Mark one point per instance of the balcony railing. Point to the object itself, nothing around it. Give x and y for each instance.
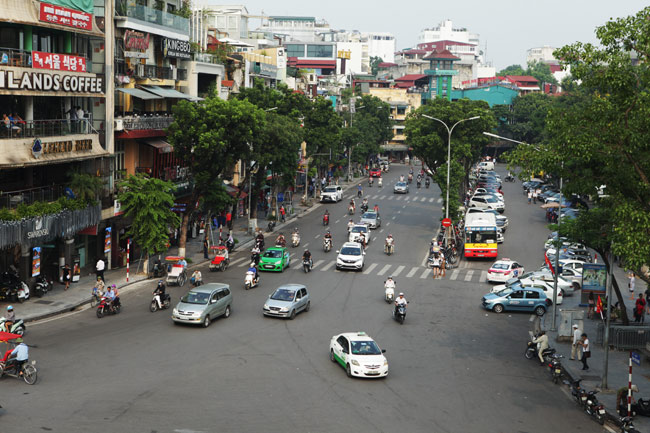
(154, 16)
(206, 58)
(46, 128)
(28, 196)
(147, 122)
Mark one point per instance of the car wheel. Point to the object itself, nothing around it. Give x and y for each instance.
(498, 308)
(576, 286)
(292, 315)
(348, 371)
(226, 313)
(308, 306)
(206, 322)
(540, 311)
(332, 356)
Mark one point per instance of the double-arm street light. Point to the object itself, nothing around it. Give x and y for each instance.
(449, 131)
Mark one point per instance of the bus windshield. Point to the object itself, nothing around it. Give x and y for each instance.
(481, 237)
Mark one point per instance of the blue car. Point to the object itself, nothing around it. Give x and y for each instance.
(517, 298)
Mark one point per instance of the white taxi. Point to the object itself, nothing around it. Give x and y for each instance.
(359, 355)
(504, 269)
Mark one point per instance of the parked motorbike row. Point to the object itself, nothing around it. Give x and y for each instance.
(13, 289)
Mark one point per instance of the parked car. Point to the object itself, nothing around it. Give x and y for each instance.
(530, 300)
(487, 203)
(202, 304)
(287, 301)
(527, 283)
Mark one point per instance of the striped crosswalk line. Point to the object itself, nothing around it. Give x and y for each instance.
(390, 197)
(384, 270)
(398, 271)
(483, 276)
(425, 273)
(232, 263)
(454, 274)
(329, 265)
(468, 276)
(318, 263)
(382, 197)
(399, 197)
(412, 271)
(431, 200)
(370, 268)
(440, 200)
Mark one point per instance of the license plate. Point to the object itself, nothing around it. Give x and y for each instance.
(601, 411)
(372, 373)
(269, 266)
(558, 371)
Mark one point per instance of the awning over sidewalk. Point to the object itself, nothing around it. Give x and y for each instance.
(166, 92)
(161, 145)
(138, 93)
(233, 192)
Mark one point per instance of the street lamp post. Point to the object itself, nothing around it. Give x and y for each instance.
(559, 222)
(449, 131)
(352, 111)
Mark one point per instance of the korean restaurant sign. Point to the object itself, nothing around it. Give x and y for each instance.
(66, 17)
(176, 48)
(48, 82)
(59, 62)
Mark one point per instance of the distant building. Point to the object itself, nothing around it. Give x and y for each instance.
(441, 71)
(382, 45)
(294, 28)
(545, 55)
(446, 31)
(493, 94)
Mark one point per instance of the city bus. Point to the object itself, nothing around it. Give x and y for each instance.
(480, 235)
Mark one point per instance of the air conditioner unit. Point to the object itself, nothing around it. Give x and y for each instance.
(119, 125)
(139, 70)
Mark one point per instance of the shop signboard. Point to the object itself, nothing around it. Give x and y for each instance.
(136, 40)
(268, 70)
(107, 241)
(54, 14)
(49, 82)
(594, 280)
(36, 261)
(76, 268)
(59, 62)
(176, 48)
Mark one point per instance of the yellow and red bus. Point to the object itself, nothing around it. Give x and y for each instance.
(480, 235)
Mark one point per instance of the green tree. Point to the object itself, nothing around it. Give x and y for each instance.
(429, 140)
(526, 119)
(511, 70)
(210, 137)
(541, 71)
(370, 127)
(85, 186)
(374, 64)
(322, 133)
(148, 202)
(600, 136)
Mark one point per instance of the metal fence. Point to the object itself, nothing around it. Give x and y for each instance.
(624, 337)
(46, 128)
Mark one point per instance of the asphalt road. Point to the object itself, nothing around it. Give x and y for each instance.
(453, 366)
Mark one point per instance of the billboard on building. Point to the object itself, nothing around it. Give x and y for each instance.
(36, 261)
(55, 14)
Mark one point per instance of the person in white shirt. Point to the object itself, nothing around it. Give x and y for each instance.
(401, 300)
(100, 269)
(575, 345)
(586, 351)
(542, 340)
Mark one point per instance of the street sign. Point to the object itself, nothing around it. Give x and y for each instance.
(280, 197)
(446, 222)
(636, 357)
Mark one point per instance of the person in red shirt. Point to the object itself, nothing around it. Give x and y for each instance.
(229, 220)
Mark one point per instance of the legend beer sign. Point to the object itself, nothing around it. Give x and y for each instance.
(46, 82)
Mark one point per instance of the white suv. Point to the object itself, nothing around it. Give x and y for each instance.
(332, 193)
(350, 256)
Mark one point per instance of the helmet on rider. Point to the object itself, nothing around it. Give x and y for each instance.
(401, 293)
(9, 308)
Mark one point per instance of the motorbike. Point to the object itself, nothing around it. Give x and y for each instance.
(510, 178)
(326, 219)
(327, 245)
(270, 226)
(627, 426)
(532, 348)
(22, 293)
(370, 181)
(158, 270)
(555, 367)
(250, 280)
(104, 308)
(389, 247)
(364, 208)
(165, 302)
(593, 408)
(307, 264)
(410, 178)
(418, 183)
(255, 258)
(399, 313)
(18, 326)
(389, 293)
(295, 239)
(427, 183)
(12, 288)
(379, 183)
(42, 286)
(578, 393)
(28, 369)
(281, 242)
(230, 244)
(350, 210)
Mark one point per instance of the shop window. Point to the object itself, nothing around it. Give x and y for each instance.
(10, 38)
(295, 50)
(119, 160)
(320, 51)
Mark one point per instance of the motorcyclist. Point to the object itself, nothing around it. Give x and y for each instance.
(230, 242)
(328, 236)
(359, 191)
(255, 254)
(18, 356)
(110, 296)
(379, 182)
(376, 208)
(389, 240)
(326, 215)
(354, 207)
(419, 182)
(159, 293)
(427, 181)
(399, 301)
(390, 283)
(350, 225)
(542, 342)
(281, 241)
(370, 180)
(259, 240)
(401, 178)
(410, 177)
(157, 268)
(307, 256)
(197, 278)
(253, 269)
(295, 233)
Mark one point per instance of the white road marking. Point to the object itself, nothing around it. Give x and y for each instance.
(469, 275)
(316, 237)
(318, 263)
(431, 200)
(382, 197)
(407, 198)
(424, 259)
(329, 265)
(483, 276)
(370, 268)
(391, 218)
(242, 264)
(440, 200)
(307, 244)
(388, 223)
(454, 274)
(399, 211)
(381, 231)
(412, 272)
(374, 238)
(237, 260)
(337, 221)
(425, 273)
(398, 271)
(391, 197)
(404, 207)
(384, 270)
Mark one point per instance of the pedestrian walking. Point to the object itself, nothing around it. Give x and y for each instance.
(99, 267)
(530, 196)
(535, 197)
(586, 351)
(632, 282)
(575, 346)
(67, 276)
(639, 309)
(283, 213)
(229, 220)
(205, 248)
(592, 303)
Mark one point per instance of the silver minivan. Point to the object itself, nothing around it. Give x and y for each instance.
(203, 304)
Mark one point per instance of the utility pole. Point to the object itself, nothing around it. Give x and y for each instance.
(603, 384)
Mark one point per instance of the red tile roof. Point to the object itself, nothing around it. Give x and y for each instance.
(440, 55)
(386, 65)
(413, 51)
(521, 78)
(442, 44)
(411, 77)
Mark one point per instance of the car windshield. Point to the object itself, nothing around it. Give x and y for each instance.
(400, 184)
(501, 266)
(195, 298)
(369, 215)
(330, 189)
(365, 348)
(350, 251)
(272, 254)
(283, 295)
(359, 229)
(490, 199)
(505, 292)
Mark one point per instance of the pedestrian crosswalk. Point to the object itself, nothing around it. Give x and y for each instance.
(408, 198)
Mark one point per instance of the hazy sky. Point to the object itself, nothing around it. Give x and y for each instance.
(509, 27)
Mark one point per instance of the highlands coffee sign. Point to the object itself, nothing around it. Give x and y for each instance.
(45, 82)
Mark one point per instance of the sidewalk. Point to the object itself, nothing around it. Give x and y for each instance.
(59, 301)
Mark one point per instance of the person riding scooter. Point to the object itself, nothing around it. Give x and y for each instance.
(259, 240)
(307, 256)
(253, 269)
(390, 283)
(350, 225)
(10, 318)
(370, 180)
(427, 182)
(379, 183)
(281, 241)
(159, 293)
(352, 207)
(328, 236)
(400, 301)
(255, 254)
(542, 344)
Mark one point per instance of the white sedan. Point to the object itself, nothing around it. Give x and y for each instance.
(357, 231)
(359, 355)
(504, 269)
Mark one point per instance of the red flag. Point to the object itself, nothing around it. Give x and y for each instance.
(548, 263)
(599, 305)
